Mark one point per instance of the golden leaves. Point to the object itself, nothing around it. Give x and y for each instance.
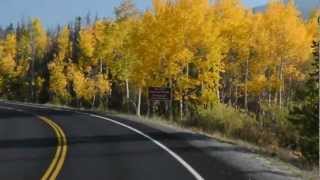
(87, 43)
(39, 37)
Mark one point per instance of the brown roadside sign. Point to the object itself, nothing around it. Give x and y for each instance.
(159, 94)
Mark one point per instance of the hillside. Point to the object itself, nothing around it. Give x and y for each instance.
(305, 6)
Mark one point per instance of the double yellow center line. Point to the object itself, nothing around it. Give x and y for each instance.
(61, 152)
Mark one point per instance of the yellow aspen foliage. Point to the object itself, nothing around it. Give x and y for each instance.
(257, 84)
(7, 55)
(90, 90)
(9, 45)
(141, 39)
(118, 48)
(179, 38)
(313, 26)
(7, 65)
(79, 84)
(234, 22)
(39, 38)
(58, 80)
(87, 46)
(159, 5)
(64, 44)
(24, 54)
(204, 51)
(102, 85)
(99, 36)
(288, 40)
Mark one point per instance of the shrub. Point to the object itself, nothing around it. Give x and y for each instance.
(272, 128)
(227, 120)
(276, 122)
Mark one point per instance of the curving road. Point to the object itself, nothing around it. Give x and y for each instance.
(40, 142)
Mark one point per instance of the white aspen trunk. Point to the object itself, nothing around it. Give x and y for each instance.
(32, 67)
(289, 93)
(246, 85)
(139, 102)
(230, 95)
(181, 109)
(236, 101)
(186, 107)
(107, 100)
(93, 101)
(171, 100)
(127, 90)
(218, 95)
(100, 65)
(269, 97)
(109, 93)
(149, 106)
(128, 95)
(281, 85)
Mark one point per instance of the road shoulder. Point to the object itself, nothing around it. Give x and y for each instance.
(248, 161)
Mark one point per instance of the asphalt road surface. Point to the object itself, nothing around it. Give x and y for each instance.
(39, 142)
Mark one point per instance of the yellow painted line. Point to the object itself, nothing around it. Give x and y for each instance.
(57, 153)
(61, 152)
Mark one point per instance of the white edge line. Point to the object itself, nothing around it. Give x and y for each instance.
(173, 154)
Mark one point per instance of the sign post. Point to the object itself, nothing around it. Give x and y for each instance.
(159, 94)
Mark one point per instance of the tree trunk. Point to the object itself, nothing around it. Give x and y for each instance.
(128, 95)
(171, 100)
(107, 101)
(269, 97)
(80, 102)
(37, 97)
(222, 93)
(93, 102)
(149, 106)
(181, 109)
(32, 67)
(236, 100)
(139, 102)
(166, 107)
(289, 93)
(218, 95)
(100, 97)
(281, 85)
(153, 108)
(185, 103)
(100, 65)
(230, 95)
(246, 85)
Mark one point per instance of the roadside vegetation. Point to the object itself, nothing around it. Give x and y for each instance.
(248, 75)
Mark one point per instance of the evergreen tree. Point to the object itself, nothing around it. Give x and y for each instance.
(306, 117)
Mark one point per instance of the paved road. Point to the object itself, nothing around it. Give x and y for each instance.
(46, 143)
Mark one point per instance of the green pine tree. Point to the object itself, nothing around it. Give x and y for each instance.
(306, 117)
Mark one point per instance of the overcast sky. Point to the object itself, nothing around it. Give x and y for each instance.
(53, 12)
